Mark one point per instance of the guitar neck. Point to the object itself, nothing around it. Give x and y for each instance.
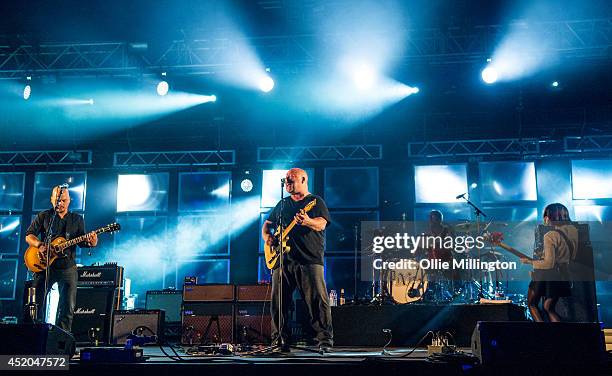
(79, 239)
(513, 251)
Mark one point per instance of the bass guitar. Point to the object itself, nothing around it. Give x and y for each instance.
(272, 252)
(37, 260)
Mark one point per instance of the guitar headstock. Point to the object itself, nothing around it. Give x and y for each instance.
(113, 227)
(310, 205)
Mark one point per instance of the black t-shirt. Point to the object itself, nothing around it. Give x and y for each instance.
(69, 227)
(306, 244)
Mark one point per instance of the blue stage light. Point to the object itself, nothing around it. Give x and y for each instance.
(489, 75)
(266, 84)
(162, 88)
(27, 91)
(555, 84)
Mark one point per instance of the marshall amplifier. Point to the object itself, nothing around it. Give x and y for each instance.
(107, 275)
(92, 314)
(208, 323)
(148, 322)
(254, 293)
(208, 293)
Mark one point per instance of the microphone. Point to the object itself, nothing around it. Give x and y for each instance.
(63, 186)
(282, 180)
(461, 196)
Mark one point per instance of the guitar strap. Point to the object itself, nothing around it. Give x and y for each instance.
(570, 245)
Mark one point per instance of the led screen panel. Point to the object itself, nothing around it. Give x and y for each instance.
(8, 279)
(10, 228)
(45, 181)
(507, 181)
(204, 191)
(351, 187)
(142, 192)
(439, 184)
(271, 186)
(340, 233)
(11, 191)
(206, 271)
(202, 235)
(592, 179)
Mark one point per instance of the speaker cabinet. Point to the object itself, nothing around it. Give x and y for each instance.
(521, 343)
(35, 339)
(208, 293)
(92, 314)
(207, 323)
(253, 323)
(139, 322)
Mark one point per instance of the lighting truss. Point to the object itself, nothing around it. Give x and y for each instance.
(587, 144)
(175, 158)
(493, 147)
(585, 39)
(319, 153)
(48, 158)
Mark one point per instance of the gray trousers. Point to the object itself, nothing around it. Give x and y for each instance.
(310, 282)
(67, 286)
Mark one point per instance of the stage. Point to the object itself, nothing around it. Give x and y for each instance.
(340, 361)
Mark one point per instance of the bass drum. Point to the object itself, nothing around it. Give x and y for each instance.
(407, 285)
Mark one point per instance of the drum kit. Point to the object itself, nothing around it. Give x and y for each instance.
(440, 286)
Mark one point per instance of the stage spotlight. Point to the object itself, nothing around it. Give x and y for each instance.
(27, 91)
(474, 186)
(90, 101)
(213, 98)
(489, 75)
(246, 185)
(266, 84)
(555, 84)
(364, 77)
(162, 88)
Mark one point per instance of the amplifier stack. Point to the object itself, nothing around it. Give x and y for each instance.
(226, 313)
(99, 294)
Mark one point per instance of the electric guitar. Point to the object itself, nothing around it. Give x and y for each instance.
(272, 252)
(36, 260)
(497, 237)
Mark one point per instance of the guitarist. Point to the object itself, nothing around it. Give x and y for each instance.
(550, 278)
(303, 264)
(63, 270)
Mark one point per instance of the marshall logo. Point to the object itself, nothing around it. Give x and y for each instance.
(83, 311)
(87, 274)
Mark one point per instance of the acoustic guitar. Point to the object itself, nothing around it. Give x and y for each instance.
(36, 260)
(272, 252)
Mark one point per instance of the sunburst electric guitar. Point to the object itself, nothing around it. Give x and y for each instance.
(497, 237)
(271, 252)
(36, 260)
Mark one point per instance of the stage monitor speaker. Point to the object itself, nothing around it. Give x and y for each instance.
(35, 339)
(505, 342)
(168, 300)
(208, 323)
(92, 314)
(140, 322)
(253, 323)
(208, 293)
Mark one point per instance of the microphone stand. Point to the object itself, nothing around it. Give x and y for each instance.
(478, 213)
(47, 243)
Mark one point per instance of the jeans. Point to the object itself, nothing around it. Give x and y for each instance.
(310, 282)
(67, 286)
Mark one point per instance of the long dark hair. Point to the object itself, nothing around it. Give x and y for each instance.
(557, 213)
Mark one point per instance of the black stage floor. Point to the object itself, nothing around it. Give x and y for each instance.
(339, 362)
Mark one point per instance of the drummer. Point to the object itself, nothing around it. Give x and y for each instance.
(439, 229)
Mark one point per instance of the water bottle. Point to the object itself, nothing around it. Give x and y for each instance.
(333, 298)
